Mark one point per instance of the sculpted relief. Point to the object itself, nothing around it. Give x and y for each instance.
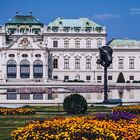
(24, 43)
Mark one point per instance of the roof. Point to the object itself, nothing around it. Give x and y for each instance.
(24, 19)
(124, 42)
(81, 22)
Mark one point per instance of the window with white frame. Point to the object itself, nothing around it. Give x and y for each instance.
(38, 69)
(88, 78)
(66, 43)
(88, 63)
(77, 63)
(110, 77)
(11, 96)
(25, 96)
(77, 43)
(88, 43)
(131, 77)
(99, 78)
(11, 69)
(120, 63)
(55, 63)
(66, 78)
(24, 69)
(38, 96)
(55, 77)
(131, 63)
(66, 63)
(55, 43)
(99, 43)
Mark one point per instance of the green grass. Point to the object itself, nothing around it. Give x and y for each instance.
(9, 123)
(60, 108)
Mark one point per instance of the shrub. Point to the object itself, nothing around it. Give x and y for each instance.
(136, 81)
(121, 78)
(128, 81)
(75, 104)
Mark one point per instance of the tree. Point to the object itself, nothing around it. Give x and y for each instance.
(120, 78)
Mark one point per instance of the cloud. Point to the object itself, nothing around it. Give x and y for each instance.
(106, 16)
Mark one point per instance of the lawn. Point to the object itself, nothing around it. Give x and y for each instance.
(8, 123)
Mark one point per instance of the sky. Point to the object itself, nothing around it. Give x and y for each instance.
(121, 17)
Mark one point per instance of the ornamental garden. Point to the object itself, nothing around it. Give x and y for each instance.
(72, 121)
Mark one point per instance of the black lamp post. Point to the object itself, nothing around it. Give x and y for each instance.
(105, 60)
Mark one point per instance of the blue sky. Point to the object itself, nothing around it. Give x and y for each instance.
(121, 17)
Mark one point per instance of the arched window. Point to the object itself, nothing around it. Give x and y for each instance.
(24, 69)
(11, 69)
(38, 69)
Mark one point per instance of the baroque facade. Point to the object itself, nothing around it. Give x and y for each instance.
(63, 52)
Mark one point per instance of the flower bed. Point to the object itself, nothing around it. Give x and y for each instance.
(130, 109)
(16, 111)
(79, 128)
(115, 116)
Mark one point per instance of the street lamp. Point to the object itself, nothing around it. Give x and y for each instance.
(105, 60)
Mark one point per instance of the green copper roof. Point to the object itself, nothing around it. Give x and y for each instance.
(21, 19)
(124, 42)
(81, 22)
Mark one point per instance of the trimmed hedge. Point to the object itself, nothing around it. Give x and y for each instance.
(75, 104)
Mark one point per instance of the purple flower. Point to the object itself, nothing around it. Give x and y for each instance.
(115, 116)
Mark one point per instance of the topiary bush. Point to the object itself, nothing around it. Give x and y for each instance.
(75, 104)
(120, 78)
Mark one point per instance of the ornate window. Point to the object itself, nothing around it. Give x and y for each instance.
(38, 69)
(66, 43)
(66, 63)
(11, 69)
(99, 43)
(24, 69)
(24, 55)
(55, 63)
(55, 43)
(88, 43)
(77, 63)
(38, 55)
(88, 63)
(131, 63)
(120, 63)
(77, 43)
(11, 55)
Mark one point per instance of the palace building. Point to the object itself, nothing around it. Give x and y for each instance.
(35, 57)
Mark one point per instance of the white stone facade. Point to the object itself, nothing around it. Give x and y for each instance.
(62, 51)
